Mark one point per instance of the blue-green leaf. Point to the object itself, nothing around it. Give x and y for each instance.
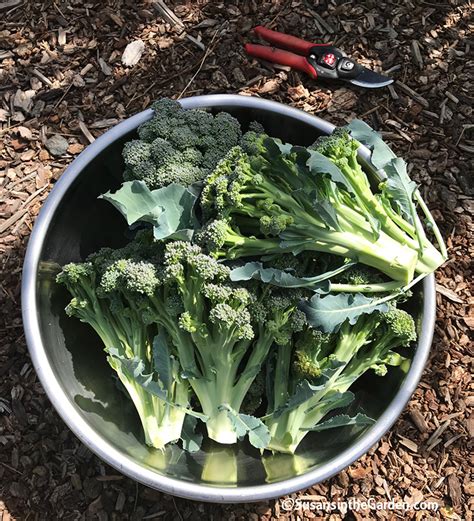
(400, 188)
(258, 433)
(319, 164)
(169, 209)
(162, 360)
(332, 400)
(382, 154)
(284, 279)
(327, 313)
(191, 439)
(343, 420)
(305, 390)
(328, 214)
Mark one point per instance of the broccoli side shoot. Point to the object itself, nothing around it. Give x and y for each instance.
(341, 149)
(223, 332)
(178, 145)
(273, 198)
(313, 374)
(269, 202)
(110, 292)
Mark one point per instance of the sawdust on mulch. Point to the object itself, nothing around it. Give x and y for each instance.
(61, 75)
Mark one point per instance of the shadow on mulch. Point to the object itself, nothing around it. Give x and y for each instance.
(45, 472)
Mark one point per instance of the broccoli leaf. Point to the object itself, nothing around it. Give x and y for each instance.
(275, 145)
(258, 433)
(284, 279)
(169, 209)
(382, 154)
(134, 369)
(329, 312)
(191, 439)
(306, 390)
(162, 360)
(303, 392)
(400, 188)
(319, 164)
(328, 214)
(343, 420)
(331, 401)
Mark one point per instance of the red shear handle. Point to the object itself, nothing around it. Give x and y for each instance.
(282, 57)
(284, 40)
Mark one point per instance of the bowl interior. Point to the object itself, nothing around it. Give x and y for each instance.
(81, 225)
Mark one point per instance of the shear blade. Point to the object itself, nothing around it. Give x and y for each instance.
(371, 80)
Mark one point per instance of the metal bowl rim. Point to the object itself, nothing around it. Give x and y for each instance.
(100, 446)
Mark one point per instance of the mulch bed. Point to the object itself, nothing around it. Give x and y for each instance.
(61, 77)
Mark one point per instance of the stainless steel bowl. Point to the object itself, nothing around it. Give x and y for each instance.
(79, 383)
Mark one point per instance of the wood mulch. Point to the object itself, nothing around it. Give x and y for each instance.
(63, 83)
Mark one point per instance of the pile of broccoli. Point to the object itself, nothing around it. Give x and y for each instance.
(261, 200)
(249, 305)
(179, 146)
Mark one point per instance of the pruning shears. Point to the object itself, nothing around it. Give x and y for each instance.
(318, 60)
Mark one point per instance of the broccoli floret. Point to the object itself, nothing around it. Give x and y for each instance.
(145, 171)
(311, 353)
(161, 152)
(360, 276)
(282, 317)
(192, 156)
(181, 173)
(136, 152)
(252, 142)
(130, 276)
(339, 147)
(401, 327)
(226, 130)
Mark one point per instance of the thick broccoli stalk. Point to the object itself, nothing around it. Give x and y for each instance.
(271, 204)
(109, 293)
(342, 151)
(330, 364)
(178, 145)
(213, 333)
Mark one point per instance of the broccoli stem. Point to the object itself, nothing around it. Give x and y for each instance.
(259, 353)
(161, 423)
(381, 287)
(281, 390)
(429, 257)
(286, 430)
(386, 255)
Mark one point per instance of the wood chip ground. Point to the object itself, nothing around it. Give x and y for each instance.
(61, 74)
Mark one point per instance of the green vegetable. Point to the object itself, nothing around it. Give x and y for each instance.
(252, 313)
(108, 290)
(169, 209)
(312, 375)
(271, 202)
(220, 347)
(179, 146)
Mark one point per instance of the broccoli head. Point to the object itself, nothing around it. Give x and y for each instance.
(178, 145)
